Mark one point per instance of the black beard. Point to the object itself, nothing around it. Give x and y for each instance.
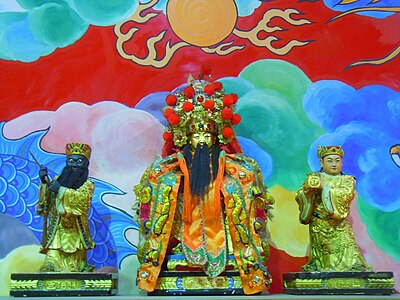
(199, 167)
(73, 178)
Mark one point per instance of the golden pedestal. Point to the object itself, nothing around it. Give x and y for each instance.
(63, 284)
(339, 283)
(177, 278)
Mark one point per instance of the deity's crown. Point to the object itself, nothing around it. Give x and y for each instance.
(202, 125)
(328, 150)
(78, 148)
(200, 106)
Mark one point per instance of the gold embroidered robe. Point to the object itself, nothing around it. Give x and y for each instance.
(68, 228)
(325, 208)
(167, 209)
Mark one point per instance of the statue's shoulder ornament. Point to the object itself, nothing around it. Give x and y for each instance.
(163, 165)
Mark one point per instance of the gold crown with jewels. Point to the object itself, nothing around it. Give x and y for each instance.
(78, 148)
(202, 125)
(329, 150)
(200, 106)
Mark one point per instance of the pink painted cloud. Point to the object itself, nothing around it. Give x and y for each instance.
(124, 140)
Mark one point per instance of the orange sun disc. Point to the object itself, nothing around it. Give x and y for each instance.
(202, 22)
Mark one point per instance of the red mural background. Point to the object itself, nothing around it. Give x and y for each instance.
(91, 70)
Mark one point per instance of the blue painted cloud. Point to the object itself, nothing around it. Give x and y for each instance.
(246, 7)
(263, 159)
(45, 25)
(335, 5)
(366, 122)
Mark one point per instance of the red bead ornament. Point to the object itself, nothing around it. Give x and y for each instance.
(200, 99)
(209, 104)
(236, 118)
(209, 89)
(173, 119)
(189, 92)
(235, 98)
(168, 136)
(171, 100)
(226, 113)
(217, 85)
(168, 112)
(227, 132)
(187, 106)
(227, 100)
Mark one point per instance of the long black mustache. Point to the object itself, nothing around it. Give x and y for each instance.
(73, 178)
(201, 175)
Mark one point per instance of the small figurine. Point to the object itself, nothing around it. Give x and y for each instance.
(204, 201)
(324, 201)
(64, 202)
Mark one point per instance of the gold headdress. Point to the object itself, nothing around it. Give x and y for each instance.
(78, 148)
(328, 150)
(201, 106)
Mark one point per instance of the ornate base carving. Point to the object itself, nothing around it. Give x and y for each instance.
(339, 283)
(177, 278)
(63, 284)
(197, 283)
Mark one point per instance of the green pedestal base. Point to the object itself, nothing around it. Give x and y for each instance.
(339, 283)
(63, 284)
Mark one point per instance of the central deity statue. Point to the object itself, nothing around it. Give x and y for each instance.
(204, 200)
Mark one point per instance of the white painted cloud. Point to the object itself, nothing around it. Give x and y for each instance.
(10, 6)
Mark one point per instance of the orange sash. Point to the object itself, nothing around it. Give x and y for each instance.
(203, 230)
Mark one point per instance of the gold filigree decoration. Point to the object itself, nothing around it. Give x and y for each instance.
(222, 49)
(304, 283)
(172, 264)
(344, 2)
(262, 25)
(238, 216)
(142, 193)
(364, 9)
(199, 282)
(378, 61)
(138, 18)
(62, 284)
(152, 255)
(167, 283)
(380, 283)
(342, 283)
(151, 58)
(95, 284)
(162, 219)
(23, 284)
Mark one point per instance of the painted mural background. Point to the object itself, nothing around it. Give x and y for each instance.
(307, 73)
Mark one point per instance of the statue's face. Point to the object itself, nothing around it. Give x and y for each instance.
(77, 161)
(201, 138)
(331, 164)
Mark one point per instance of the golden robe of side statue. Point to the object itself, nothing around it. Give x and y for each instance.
(324, 201)
(204, 199)
(64, 204)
